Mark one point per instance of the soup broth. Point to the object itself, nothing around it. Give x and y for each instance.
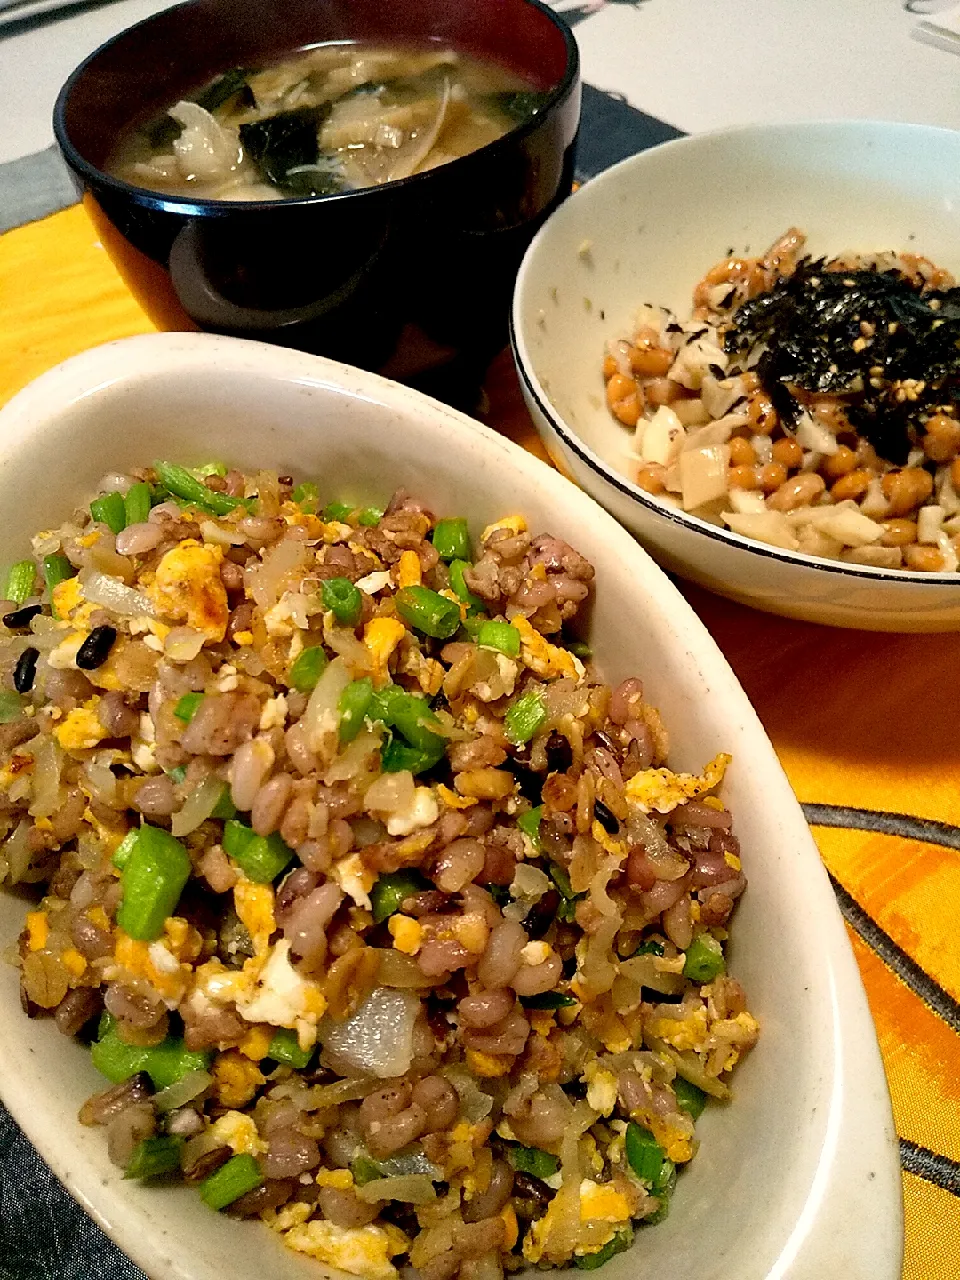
(334, 118)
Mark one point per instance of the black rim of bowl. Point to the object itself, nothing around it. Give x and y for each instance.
(191, 205)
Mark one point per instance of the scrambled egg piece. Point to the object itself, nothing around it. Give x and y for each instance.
(602, 1205)
(601, 1088)
(422, 811)
(163, 963)
(283, 998)
(81, 731)
(409, 573)
(682, 1033)
(38, 928)
(663, 790)
(381, 636)
(355, 879)
(452, 800)
(253, 904)
(238, 1131)
(235, 1078)
(540, 656)
(67, 596)
(515, 524)
(341, 1179)
(361, 1251)
(406, 934)
(188, 588)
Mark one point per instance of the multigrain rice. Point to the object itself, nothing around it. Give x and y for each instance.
(443, 982)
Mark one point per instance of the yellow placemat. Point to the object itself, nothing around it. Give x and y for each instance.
(867, 727)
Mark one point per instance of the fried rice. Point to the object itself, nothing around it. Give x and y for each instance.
(385, 918)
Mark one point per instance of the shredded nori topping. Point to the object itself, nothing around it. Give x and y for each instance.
(888, 347)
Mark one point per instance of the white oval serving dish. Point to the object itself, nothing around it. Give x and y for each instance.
(799, 1178)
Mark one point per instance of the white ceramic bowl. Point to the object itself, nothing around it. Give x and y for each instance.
(799, 1178)
(654, 223)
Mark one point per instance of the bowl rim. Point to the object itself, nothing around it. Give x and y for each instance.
(695, 524)
(194, 207)
(855, 1057)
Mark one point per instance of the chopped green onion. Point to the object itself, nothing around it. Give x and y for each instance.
(689, 1097)
(165, 1063)
(337, 511)
(343, 599)
(540, 1164)
(11, 706)
(580, 648)
(499, 893)
(370, 516)
(524, 717)
(209, 469)
(410, 715)
(178, 773)
(529, 824)
(231, 1181)
(651, 947)
(549, 1000)
(188, 706)
(704, 960)
(261, 858)
(307, 496)
(646, 1156)
(20, 582)
(307, 668)
(285, 1048)
(224, 809)
(182, 484)
(428, 611)
(472, 624)
(110, 509)
(568, 905)
(452, 539)
(57, 569)
(365, 1170)
(459, 585)
(400, 757)
(155, 1156)
(153, 879)
(502, 636)
(390, 890)
(353, 706)
(136, 503)
(591, 1261)
(124, 849)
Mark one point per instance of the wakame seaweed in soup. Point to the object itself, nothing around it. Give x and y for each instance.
(335, 118)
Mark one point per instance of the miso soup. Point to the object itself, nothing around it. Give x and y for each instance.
(334, 118)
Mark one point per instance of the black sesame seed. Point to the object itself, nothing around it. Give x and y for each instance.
(94, 650)
(24, 673)
(607, 820)
(21, 618)
(559, 753)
